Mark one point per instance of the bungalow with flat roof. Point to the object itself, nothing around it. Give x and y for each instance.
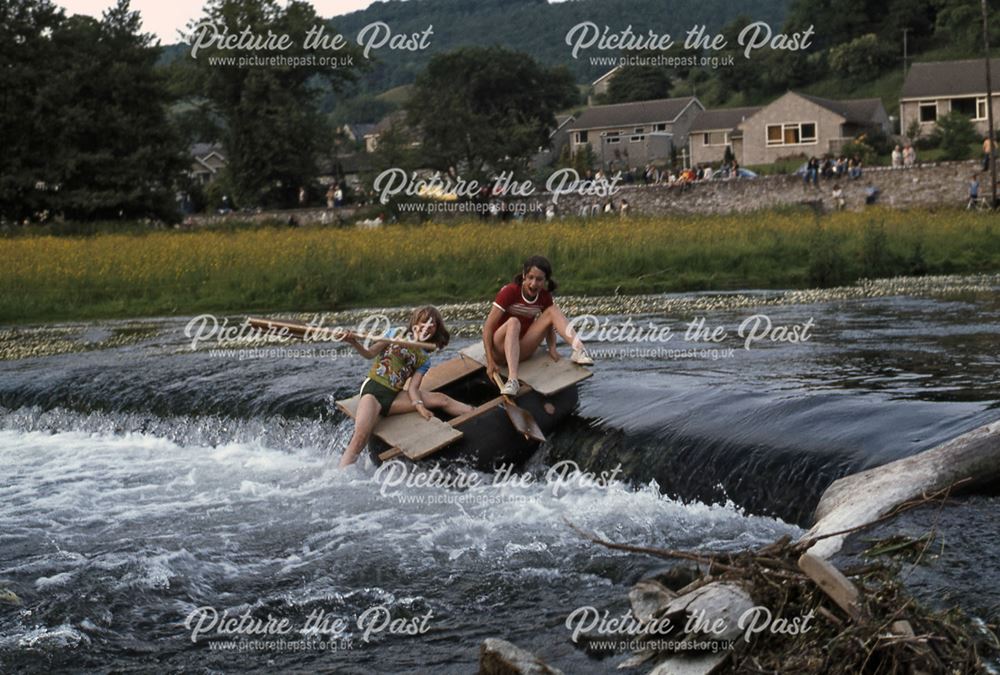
(800, 124)
(625, 135)
(936, 88)
(714, 130)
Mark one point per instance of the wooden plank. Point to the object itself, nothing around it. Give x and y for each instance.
(412, 434)
(349, 406)
(450, 371)
(832, 582)
(390, 454)
(484, 408)
(543, 374)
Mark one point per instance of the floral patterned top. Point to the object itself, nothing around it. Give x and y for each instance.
(396, 364)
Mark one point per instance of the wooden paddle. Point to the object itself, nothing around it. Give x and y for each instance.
(299, 330)
(522, 420)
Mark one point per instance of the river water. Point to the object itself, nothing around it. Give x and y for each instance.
(147, 485)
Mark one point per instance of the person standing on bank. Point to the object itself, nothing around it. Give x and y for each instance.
(523, 314)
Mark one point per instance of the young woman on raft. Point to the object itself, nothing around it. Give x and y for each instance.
(523, 314)
(382, 392)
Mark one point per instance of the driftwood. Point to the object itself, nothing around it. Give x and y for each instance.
(499, 657)
(832, 582)
(860, 619)
(971, 460)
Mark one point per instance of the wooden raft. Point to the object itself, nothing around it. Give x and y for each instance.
(540, 372)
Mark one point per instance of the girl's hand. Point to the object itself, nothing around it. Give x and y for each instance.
(425, 413)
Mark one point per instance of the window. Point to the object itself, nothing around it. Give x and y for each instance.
(638, 138)
(660, 127)
(715, 138)
(639, 130)
(981, 108)
(613, 139)
(965, 106)
(791, 133)
(928, 112)
(581, 137)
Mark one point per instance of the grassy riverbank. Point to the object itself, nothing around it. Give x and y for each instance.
(316, 268)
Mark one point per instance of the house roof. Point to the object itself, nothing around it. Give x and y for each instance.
(630, 114)
(561, 121)
(605, 76)
(359, 131)
(948, 78)
(721, 118)
(387, 122)
(854, 110)
(203, 150)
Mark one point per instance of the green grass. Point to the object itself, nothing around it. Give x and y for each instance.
(170, 272)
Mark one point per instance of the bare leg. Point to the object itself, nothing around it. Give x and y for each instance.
(551, 318)
(432, 401)
(507, 341)
(365, 420)
(438, 401)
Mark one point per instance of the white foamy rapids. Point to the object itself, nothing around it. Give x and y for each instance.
(167, 527)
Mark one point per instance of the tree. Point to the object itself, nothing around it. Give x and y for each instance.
(639, 83)
(272, 130)
(956, 135)
(859, 58)
(27, 56)
(94, 141)
(482, 108)
(122, 157)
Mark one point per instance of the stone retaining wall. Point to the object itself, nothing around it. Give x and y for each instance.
(932, 184)
(937, 184)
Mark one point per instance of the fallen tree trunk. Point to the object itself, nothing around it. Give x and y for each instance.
(859, 499)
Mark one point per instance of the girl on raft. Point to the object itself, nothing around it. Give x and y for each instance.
(523, 314)
(382, 392)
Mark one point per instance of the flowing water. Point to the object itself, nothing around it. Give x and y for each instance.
(146, 485)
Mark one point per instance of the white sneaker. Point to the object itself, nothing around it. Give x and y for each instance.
(511, 388)
(581, 357)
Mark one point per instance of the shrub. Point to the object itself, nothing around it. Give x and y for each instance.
(955, 134)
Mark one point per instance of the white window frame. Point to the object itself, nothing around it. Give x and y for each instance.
(980, 101)
(927, 104)
(787, 125)
(612, 140)
(639, 130)
(660, 127)
(637, 138)
(580, 139)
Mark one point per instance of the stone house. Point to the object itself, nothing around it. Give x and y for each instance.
(800, 124)
(628, 135)
(934, 89)
(714, 130)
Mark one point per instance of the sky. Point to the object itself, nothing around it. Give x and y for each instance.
(164, 19)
